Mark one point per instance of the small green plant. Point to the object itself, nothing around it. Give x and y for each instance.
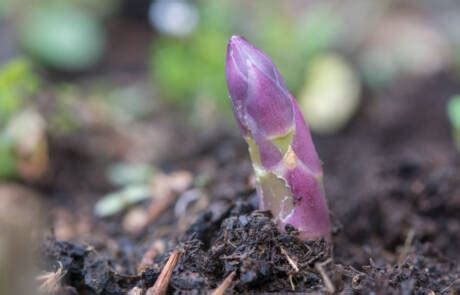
(8, 167)
(188, 69)
(17, 83)
(184, 71)
(62, 36)
(453, 113)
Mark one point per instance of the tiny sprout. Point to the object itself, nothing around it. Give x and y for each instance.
(453, 113)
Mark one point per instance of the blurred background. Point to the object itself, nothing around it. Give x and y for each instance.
(126, 71)
(98, 96)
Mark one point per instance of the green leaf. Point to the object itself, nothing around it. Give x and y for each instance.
(116, 202)
(8, 167)
(17, 83)
(453, 111)
(63, 37)
(126, 173)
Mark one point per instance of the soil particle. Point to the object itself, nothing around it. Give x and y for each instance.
(86, 271)
(251, 245)
(419, 273)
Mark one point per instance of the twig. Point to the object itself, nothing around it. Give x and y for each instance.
(291, 282)
(235, 257)
(51, 281)
(290, 260)
(135, 291)
(327, 281)
(357, 271)
(161, 285)
(166, 190)
(407, 244)
(225, 284)
(156, 208)
(136, 221)
(156, 248)
(450, 286)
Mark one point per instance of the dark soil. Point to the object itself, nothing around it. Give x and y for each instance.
(393, 184)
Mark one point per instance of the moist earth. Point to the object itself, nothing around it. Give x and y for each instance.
(392, 179)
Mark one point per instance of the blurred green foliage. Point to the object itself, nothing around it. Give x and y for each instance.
(17, 83)
(193, 67)
(453, 114)
(8, 167)
(7, 6)
(3, 8)
(453, 111)
(123, 174)
(115, 202)
(100, 102)
(64, 119)
(331, 94)
(183, 71)
(99, 8)
(127, 104)
(294, 44)
(62, 36)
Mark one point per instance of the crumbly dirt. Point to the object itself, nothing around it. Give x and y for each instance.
(393, 185)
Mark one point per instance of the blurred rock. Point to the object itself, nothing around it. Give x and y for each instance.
(62, 37)
(20, 227)
(403, 45)
(18, 82)
(173, 17)
(123, 173)
(331, 94)
(27, 134)
(453, 114)
(117, 201)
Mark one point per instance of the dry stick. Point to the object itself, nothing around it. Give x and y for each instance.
(407, 244)
(51, 281)
(290, 260)
(327, 281)
(135, 291)
(291, 282)
(169, 186)
(293, 264)
(457, 281)
(156, 208)
(161, 285)
(225, 284)
(149, 255)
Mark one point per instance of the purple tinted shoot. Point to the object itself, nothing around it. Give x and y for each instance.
(287, 168)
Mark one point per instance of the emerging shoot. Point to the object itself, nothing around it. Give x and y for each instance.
(286, 165)
(453, 113)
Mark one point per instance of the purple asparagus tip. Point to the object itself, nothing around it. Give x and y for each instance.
(287, 167)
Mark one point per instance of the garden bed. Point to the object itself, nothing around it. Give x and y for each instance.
(392, 180)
